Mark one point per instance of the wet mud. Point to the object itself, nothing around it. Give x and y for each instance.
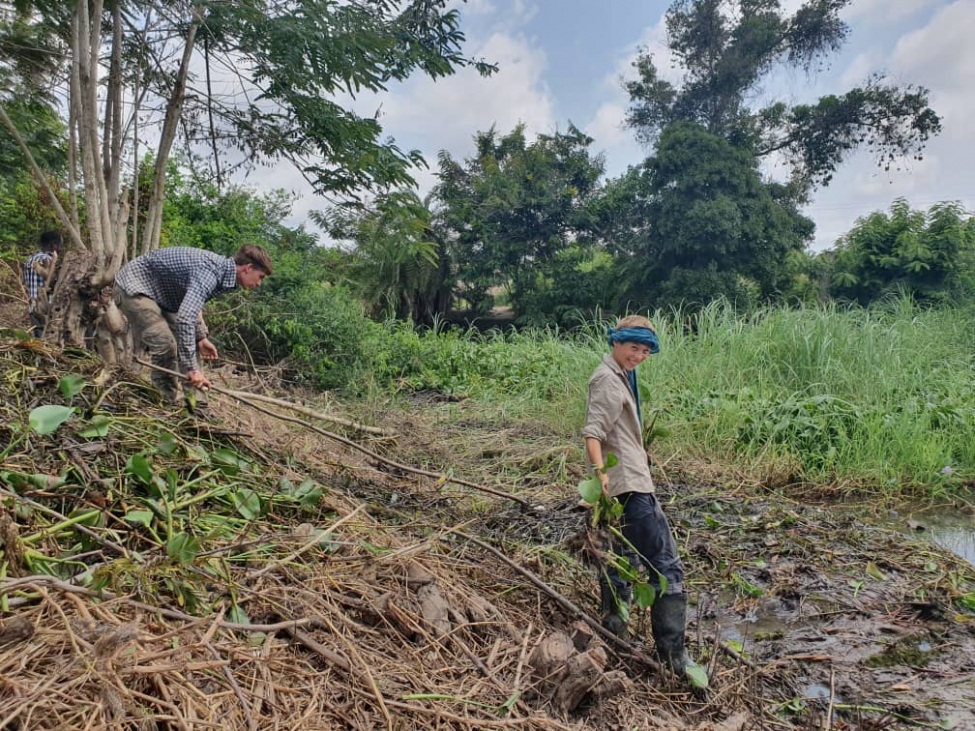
(811, 616)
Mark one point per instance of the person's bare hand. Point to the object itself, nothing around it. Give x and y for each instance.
(206, 349)
(198, 380)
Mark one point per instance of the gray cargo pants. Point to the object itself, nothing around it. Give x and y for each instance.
(152, 328)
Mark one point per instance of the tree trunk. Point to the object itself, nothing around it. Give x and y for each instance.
(82, 309)
(83, 314)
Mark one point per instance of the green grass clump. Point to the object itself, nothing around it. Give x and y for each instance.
(880, 396)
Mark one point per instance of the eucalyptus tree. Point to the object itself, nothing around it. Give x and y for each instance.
(261, 79)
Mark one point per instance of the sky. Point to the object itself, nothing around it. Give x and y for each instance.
(563, 61)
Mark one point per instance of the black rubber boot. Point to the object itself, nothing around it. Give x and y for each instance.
(668, 616)
(614, 604)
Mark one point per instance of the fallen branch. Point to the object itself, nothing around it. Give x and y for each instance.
(244, 395)
(621, 646)
(24, 583)
(64, 519)
(441, 477)
(315, 540)
(306, 411)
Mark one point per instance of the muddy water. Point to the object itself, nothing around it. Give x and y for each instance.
(837, 608)
(949, 528)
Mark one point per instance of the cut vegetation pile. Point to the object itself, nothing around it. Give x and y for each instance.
(257, 569)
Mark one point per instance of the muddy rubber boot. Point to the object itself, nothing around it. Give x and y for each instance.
(668, 616)
(614, 606)
(167, 389)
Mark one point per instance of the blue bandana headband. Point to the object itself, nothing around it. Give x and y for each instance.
(641, 335)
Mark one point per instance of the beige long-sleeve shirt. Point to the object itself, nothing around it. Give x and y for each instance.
(612, 419)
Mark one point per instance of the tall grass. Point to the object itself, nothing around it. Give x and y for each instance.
(538, 374)
(881, 397)
(877, 399)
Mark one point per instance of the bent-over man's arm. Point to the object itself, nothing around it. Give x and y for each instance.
(190, 314)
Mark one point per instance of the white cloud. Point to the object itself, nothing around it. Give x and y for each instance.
(654, 42)
(608, 125)
(523, 12)
(791, 6)
(865, 64)
(613, 140)
(941, 56)
(472, 8)
(884, 11)
(909, 180)
(447, 113)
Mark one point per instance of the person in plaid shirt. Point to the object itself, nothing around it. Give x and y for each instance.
(37, 273)
(162, 294)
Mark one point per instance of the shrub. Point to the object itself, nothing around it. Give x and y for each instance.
(319, 330)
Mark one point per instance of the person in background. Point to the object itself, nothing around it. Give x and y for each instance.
(613, 426)
(162, 294)
(37, 272)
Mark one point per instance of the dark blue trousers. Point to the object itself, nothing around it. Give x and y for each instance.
(645, 526)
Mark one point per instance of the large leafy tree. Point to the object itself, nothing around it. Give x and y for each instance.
(261, 78)
(926, 254)
(725, 49)
(714, 226)
(512, 209)
(703, 224)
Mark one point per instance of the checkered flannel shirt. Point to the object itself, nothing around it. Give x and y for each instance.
(180, 280)
(34, 282)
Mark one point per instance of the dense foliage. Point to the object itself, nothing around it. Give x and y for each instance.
(873, 399)
(513, 213)
(287, 74)
(928, 255)
(523, 230)
(711, 227)
(303, 54)
(398, 265)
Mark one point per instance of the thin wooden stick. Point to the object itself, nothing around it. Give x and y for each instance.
(245, 395)
(36, 582)
(314, 541)
(229, 675)
(441, 477)
(307, 411)
(622, 646)
(60, 516)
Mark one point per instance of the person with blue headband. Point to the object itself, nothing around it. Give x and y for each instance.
(614, 426)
